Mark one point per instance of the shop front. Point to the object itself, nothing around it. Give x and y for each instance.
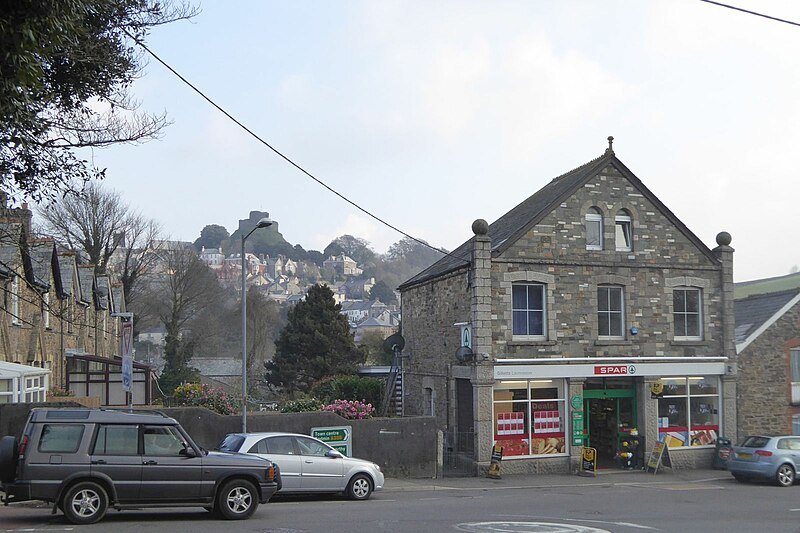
(546, 409)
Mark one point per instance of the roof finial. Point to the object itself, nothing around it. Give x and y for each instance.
(610, 149)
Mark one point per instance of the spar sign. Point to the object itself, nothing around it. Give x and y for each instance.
(614, 370)
(339, 438)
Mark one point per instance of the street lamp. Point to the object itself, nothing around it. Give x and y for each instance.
(263, 223)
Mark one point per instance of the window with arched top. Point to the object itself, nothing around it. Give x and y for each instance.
(624, 231)
(594, 229)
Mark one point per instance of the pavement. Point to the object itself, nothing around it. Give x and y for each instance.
(609, 477)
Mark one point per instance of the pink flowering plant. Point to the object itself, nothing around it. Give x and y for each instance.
(351, 409)
(202, 395)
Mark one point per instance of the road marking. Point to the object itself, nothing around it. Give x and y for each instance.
(627, 524)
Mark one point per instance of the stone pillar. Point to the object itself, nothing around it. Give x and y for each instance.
(724, 253)
(480, 286)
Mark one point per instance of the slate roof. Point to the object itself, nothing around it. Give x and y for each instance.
(66, 267)
(754, 312)
(86, 279)
(10, 257)
(516, 223)
(42, 253)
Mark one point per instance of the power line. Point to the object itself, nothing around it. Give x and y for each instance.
(283, 156)
(751, 12)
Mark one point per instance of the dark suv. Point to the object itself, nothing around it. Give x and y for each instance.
(85, 460)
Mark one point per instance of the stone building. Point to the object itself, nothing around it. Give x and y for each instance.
(586, 312)
(768, 348)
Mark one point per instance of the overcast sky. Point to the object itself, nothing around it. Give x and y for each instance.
(431, 114)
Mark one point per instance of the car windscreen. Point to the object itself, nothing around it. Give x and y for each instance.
(755, 442)
(231, 443)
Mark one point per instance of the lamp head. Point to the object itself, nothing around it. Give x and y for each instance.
(264, 223)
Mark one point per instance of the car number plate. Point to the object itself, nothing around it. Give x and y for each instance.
(744, 455)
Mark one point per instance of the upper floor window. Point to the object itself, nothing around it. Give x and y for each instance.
(610, 316)
(686, 305)
(528, 309)
(794, 361)
(624, 233)
(594, 229)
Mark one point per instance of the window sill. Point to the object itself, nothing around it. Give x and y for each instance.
(613, 342)
(531, 342)
(689, 343)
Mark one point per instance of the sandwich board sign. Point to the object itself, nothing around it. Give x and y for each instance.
(659, 456)
(340, 438)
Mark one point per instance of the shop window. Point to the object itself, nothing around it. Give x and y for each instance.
(624, 232)
(686, 305)
(594, 229)
(688, 411)
(530, 417)
(794, 357)
(609, 312)
(528, 310)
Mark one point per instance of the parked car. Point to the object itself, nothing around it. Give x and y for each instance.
(86, 460)
(308, 464)
(766, 458)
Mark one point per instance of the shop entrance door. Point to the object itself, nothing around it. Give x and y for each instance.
(610, 415)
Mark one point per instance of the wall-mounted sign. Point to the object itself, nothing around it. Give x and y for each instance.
(683, 367)
(339, 438)
(466, 335)
(657, 389)
(577, 402)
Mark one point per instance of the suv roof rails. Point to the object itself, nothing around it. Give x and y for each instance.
(136, 411)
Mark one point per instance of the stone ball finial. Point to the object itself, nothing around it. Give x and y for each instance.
(723, 238)
(480, 227)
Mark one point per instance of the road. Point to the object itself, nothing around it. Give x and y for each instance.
(637, 504)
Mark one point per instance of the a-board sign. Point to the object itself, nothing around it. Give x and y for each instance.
(588, 461)
(497, 459)
(659, 456)
(339, 438)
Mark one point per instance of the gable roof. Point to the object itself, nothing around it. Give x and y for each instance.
(43, 262)
(507, 229)
(68, 270)
(755, 314)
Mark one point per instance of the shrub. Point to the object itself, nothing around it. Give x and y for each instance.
(302, 405)
(350, 409)
(56, 391)
(195, 394)
(363, 389)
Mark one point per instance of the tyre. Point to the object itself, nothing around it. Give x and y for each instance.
(9, 451)
(85, 503)
(785, 475)
(359, 488)
(237, 500)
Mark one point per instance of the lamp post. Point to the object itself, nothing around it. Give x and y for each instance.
(263, 223)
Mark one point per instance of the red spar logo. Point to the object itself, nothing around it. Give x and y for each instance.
(614, 370)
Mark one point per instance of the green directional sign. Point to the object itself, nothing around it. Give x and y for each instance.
(339, 438)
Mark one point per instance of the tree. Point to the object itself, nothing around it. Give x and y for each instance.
(103, 229)
(182, 292)
(372, 344)
(211, 236)
(315, 343)
(381, 291)
(353, 247)
(61, 62)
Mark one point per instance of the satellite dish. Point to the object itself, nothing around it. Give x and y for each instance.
(394, 342)
(464, 354)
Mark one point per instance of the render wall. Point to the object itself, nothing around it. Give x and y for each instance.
(765, 391)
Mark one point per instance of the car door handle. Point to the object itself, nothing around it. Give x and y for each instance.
(309, 461)
(150, 462)
(99, 462)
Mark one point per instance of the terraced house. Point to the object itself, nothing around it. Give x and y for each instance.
(589, 314)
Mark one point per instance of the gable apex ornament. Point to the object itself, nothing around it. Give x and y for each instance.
(610, 149)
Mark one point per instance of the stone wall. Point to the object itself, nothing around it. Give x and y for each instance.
(765, 379)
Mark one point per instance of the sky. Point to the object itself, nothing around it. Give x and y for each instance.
(431, 114)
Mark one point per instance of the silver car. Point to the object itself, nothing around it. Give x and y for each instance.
(766, 458)
(309, 465)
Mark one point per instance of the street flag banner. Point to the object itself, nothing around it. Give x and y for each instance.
(126, 349)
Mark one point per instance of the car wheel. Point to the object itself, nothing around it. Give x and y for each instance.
(785, 475)
(85, 503)
(237, 500)
(9, 451)
(359, 488)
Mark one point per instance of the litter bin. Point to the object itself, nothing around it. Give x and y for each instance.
(722, 451)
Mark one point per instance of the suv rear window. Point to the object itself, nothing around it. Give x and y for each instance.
(755, 442)
(60, 438)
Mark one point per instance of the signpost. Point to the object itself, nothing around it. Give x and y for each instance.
(338, 437)
(126, 351)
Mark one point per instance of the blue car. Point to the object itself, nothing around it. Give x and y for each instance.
(766, 458)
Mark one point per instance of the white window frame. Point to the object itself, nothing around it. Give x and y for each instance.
(623, 227)
(46, 309)
(686, 314)
(527, 309)
(794, 370)
(595, 218)
(15, 302)
(610, 312)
